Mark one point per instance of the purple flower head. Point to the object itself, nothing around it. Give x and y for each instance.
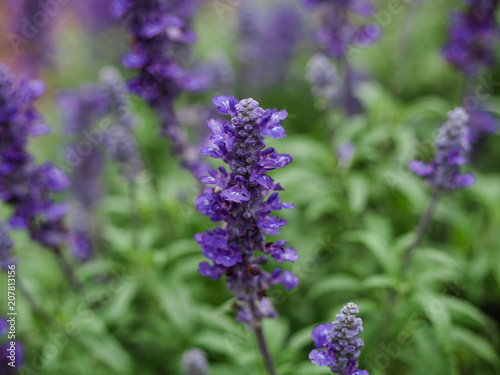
(345, 153)
(473, 34)
(28, 37)
(237, 197)
(120, 142)
(268, 37)
(338, 345)
(322, 76)
(337, 32)
(452, 147)
(28, 187)
(214, 75)
(160, 33)
(194, 362)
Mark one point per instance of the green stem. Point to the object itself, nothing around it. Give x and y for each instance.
(419, 233)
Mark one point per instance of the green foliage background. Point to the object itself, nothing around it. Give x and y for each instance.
(143, 307)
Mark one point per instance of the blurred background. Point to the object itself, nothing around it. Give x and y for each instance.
(357, 204)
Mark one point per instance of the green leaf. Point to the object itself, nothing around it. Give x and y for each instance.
(435, 309)
(466, 312)
(477, 344)
(108, 350)
(378, 281)
(357, 192)
(334, 283)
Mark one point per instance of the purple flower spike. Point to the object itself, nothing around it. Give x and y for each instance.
(194, 362)
(452, 145)
(422, 169)
(338, 345)
(338, 33)
(28, 187)
(473, 34)
(243, 199)
(268, 36)
(32, 42)
(161, 33)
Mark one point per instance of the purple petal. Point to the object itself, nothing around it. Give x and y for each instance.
(320, 358)
(421, 169)
(212, 152)
(118, 8)
(57, 179)
(464, 180)
(290, 254)
(236, 194)
(227, 260)
(262, 180)
(135, 60)
(207, 270)
(225, 104)
(320, 334)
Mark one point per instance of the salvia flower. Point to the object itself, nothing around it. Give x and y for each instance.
(268, 38)
(345, 153)
(338, 345)
(81, 110)
(121, 144)
(338, 32)
(452, 147)
(473, 34)
(323, 77)
(161, 34)
(30, 34)
(28, 187)
(194, 362)
(6, 245)
(243, 198)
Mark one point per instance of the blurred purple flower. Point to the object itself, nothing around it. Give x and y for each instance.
(25, 186)
(4, 324)
(120, 142)
(345, 153)
(194, 362)
(452, 146)
(81, 110)
(160, 33)
(30, 34)
(480, 122)
(323, 77)
(6, 245)
(268, 37)
(473, 34)
(95, 15)
(238, 197)
(338, 33)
